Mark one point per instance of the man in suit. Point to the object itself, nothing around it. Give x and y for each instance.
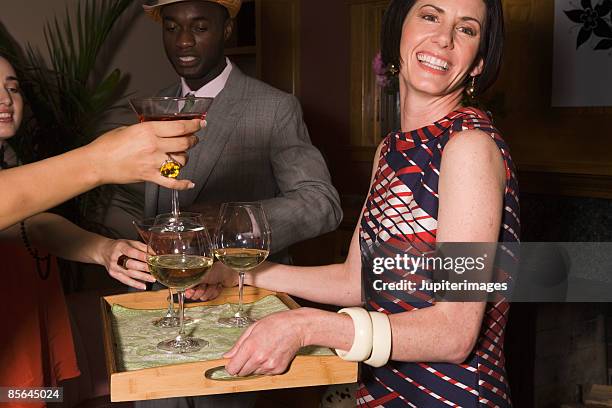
(255, 147)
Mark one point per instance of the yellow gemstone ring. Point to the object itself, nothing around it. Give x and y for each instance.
(170, 168)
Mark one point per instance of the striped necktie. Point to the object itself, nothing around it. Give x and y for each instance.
(190, 101)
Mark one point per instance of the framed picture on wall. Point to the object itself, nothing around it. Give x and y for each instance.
(556, 83)
(582, 53)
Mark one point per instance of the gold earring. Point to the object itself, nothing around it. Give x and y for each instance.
(471, 90)
(392, 70)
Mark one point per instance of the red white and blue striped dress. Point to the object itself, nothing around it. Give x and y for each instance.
(401, 212)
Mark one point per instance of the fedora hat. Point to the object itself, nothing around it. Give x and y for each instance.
(153, 7)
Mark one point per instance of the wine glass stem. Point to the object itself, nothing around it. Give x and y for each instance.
(240, 312)
(175, 203)
(181, 299)
(170, 312)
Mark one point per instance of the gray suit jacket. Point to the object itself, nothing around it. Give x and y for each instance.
(256, 148)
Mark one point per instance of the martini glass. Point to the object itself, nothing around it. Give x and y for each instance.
(169, 108)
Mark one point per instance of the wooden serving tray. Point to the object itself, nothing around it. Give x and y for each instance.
(188, 379)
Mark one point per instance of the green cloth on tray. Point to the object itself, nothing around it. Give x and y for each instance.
(136, 338)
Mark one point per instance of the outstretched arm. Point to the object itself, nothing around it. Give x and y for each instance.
(125, 155)
(64, 239)
(471, 186)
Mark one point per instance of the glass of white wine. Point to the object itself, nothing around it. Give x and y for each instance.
(242, 242)
(170, 319)
(179, 255)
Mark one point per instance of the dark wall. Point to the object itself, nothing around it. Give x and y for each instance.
(565, 219)
(325, 86)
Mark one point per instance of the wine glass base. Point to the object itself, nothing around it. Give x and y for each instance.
(185, 345)
(236, 321)
(169, 322)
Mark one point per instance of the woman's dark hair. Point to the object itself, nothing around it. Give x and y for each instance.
(5, 55)
(491, 43)
(10, 57)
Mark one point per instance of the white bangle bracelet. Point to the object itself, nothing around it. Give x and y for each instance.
(381, 340)
(362, 342)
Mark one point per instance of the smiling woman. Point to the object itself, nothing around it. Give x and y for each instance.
(445, 176)
(439, 49)
(11, 107)
(452, 37)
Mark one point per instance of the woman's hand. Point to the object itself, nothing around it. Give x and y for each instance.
(268, 346)
(135, 153)
(216, 279)
(126, 261)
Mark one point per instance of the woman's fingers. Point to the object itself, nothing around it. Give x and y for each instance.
(130, 282)
(152, 173)
(134, 269)
(204, 292)
(234, 366)
(130, 277)
(138, 266)
(157, 178)
(170, 129)
(141, 276)
(180, 157)
(173, 146)
(176, 144)
(128, 263)
(142, 248)
(250, 366)
(211, 292)
(239, 342)
(266, 347)
(136, 153)
(196, 292)
(137, 251)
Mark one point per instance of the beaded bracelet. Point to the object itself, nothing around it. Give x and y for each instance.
(34, 254)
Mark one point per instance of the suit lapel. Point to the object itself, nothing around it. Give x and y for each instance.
(222, 119)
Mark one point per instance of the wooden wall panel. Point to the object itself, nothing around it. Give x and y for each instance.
(366, 22)
(571, 143)
(279, 28)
